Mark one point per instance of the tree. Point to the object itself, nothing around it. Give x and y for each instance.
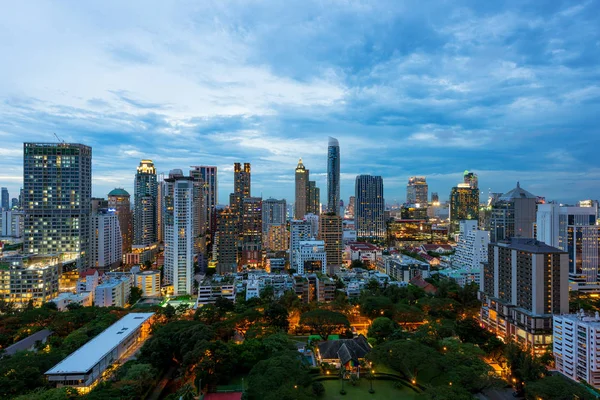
(135, 295)
(267, 294)
(207, 314)
(407, 357)
(318, 389)
(224, 305)
(556, 387)
(447, 393)
(357, 264)
(381, 328)
(276, 315)
(324, 322)
(147, 264)
(376, 306)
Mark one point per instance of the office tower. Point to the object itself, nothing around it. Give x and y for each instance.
(472, 246)
(107, 240)
(5, 205)
(417, 191)
(208, 175)
(370, 206)
(589, 203)
(300, 230)
(225, 247)
(351, 207)
(470, 178)
(330, 231)
(575, 347)
(274, 224)
(513, 215)
(241, 187)
(12, 223)
(119, 200)
(333, 176)
(145, 213)
(179, 232)
(523, 283)
(160, 207)
(464, 204)
(301, 190)
(574, 230)
(14, 203)
(435, 198)
(251, 235)
(311, 257)
(201, 227)
(56, 200)
(313, 198)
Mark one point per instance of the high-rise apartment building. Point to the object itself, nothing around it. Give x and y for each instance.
(470, 178)
(107, 240)
(311, 257)
(252, 232)
(201, 226)
(351, 207)
(5, 204)
(472, 246)
(331, 232)
(160, 207)
(417, 191)
(435, 198)
(225, 246)
(301, 179)
(146, 212)
(300, 230)
(56, 202)
(313, 198)
(589, 203)
(464, 204)
(179, 232)
(370, 207)
(12, 223)
(333, 176)
(242, 180)
(274, 224)
(119, 200)
(523, 283)
(574, 230)
(208, 175)
(513, 215)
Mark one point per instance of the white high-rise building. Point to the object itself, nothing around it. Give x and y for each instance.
(576, 348)
(179, 232)
(311, 257)
(107, 241)
(574, 230)
(299, 231)
(472, 247)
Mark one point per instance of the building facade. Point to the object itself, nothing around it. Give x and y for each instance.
(5, 200)
(311, 257)
(208, 175)
(57, 192)
(333, 176)
(523, 284)
(225, 247)
(513, 215)
(274, 224)
(251, 235)
(417, 191)
(301, 180)
(146, 213)
(300, 230)
(107, 251)
(119, 200)
(464, 204)
(472, 246)
(331, 232)
(21, 284)
(369, 207)
(149, 282)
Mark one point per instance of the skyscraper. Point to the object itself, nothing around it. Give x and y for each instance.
(513, 215)
(369, 211)
(251, 235)
(225, 246)
(300, 202)
(179, 232)
(145, 214)
(331, 231)
(209, 176)
(464, 204)
(313, 198)
(417, 191)
(435, 198)
(274, 224)
(107, 240)
(201, 226)
(470, 178)
(56, 202)
(300, 230)
(523, 283)
(118, 199)
(574, 230)
(333, 177)
(351, 206)
(5, 205)
(241, 187)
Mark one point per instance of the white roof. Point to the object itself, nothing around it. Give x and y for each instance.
(88, 355)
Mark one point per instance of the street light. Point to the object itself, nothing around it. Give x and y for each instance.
(371, 381)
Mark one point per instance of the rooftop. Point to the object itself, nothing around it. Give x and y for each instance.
(359, 246)
(517, 193)
(530, 245)
(28, 342)
(84, 359)
(118, 192)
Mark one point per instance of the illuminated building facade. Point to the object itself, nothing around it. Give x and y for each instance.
(313, 198)
(311, 257)
(301, 180)
(331, 232)
(523, 283)
(369, 207)
(300, 230)
(417, 191)
(251, 235)
(57, 192)
(464, 204)
(119, 200)
(333, 176)
(513, 215)
(225, 248)
(242, 180)
(274, 224)
(106, 240)
(146, 212)
(208, 175)
(21, 284)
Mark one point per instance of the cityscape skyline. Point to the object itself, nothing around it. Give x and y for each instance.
(451, 95)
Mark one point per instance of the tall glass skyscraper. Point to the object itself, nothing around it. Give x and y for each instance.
(369, 203)
(333, 176)
(57, 199)
(145, 206)
(5, 200)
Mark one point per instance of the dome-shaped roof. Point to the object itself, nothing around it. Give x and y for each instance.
(118, 192)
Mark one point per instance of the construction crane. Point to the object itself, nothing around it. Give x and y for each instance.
(57, 138)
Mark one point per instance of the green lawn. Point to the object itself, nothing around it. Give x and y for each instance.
(383, 390)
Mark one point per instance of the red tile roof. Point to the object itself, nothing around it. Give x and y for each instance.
(90, 272)
(223, 396)
(420, 282)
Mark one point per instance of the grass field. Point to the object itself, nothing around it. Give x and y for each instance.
(383, 390)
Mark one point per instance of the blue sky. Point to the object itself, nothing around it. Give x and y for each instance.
(508, 89)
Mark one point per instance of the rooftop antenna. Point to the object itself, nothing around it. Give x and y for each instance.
(57, 138)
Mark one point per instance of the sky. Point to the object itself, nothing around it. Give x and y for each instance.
(507, 89)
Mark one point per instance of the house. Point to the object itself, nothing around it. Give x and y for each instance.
(423, 284)
(344, 352)
(437, 248)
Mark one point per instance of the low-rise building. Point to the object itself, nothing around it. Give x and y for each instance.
(402, 267)
(149, 282)
(462, 276)
(365, 252)
(310, 288)
(311, 257)
(20, 284)
(114, 292)
(213, 288)
(576, 347)
(84, 299)
(84, 368)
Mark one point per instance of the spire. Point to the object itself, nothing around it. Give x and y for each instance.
(300, 166)
(518, 185)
